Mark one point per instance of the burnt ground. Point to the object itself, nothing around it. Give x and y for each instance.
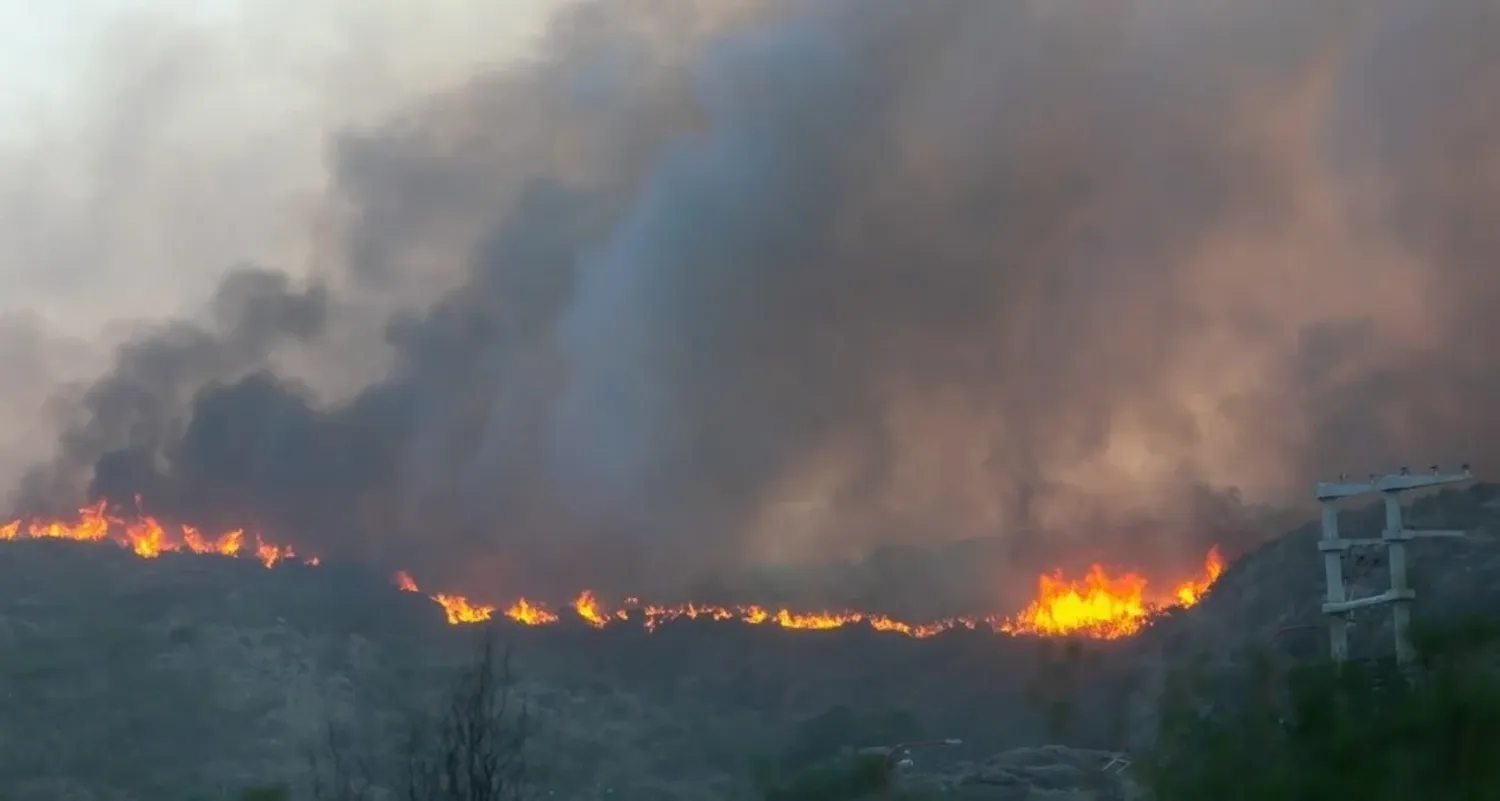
(189, 677)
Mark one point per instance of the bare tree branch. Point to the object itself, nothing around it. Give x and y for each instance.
(475, 748)
(480, 750)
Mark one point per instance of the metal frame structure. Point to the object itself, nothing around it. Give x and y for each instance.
(1393, 538)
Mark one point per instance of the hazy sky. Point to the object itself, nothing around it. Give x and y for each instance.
(910, 268)
(147, 147)
(43, 47)
(123, 117)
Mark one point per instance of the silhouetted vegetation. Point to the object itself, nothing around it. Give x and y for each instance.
(820, 761)
(270, 792)
(473, 748)
(840, 778)
(840, 728)
(1365, 730)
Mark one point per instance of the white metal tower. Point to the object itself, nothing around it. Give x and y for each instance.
(1393, 538)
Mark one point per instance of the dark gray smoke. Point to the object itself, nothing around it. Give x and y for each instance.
(129, 420)
(800, 277)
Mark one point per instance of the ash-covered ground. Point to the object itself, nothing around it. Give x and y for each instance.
(141, 679)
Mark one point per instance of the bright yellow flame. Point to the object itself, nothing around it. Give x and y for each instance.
(1105, 606)
(1100, 604)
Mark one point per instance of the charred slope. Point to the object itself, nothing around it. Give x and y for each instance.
(189, 676)
(999, 692)
(128, 678)
(1273, 595)
(1265, 609)
(987, 689)
(125, 678)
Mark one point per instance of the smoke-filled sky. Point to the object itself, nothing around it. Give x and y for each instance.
(621, 291)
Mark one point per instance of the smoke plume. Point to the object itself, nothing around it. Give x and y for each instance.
(707, 284)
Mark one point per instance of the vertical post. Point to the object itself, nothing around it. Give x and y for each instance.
(1395, 546)
(1393, 538)
(1333, 576)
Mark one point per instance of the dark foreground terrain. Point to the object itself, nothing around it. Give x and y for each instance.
(193, 677)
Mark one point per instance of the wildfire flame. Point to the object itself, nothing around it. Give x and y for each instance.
(1101, 605)
(147, 538)
(1098, 605)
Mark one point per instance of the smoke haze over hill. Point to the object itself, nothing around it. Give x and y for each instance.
(702, 284)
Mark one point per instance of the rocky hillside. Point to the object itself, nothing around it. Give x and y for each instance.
(192, 677)
(1267, 605)
(1273, 595)
(1047, 773)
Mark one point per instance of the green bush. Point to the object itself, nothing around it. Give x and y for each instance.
(838, 779)
(270, 792)
(815, 762)
(845, 778)
(1363, 730)
(841, 727)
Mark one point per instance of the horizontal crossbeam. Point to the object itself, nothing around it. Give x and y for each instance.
(1327, 546)
(1395, 482)
(1389, 596)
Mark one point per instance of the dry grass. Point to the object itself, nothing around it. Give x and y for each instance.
(190, 677)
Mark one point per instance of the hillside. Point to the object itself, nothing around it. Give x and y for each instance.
(187, 675)
(165, 678)
(1267, 604)
(199, 673)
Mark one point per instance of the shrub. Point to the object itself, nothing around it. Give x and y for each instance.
(844, 778)
(474, 747)
(1363, 730)
(840, 728)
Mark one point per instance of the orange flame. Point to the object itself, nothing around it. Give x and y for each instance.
(1105, 606)
(587, 607)
(529, 614)
(461, 610)
(1098, 605)
(1192, 591)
